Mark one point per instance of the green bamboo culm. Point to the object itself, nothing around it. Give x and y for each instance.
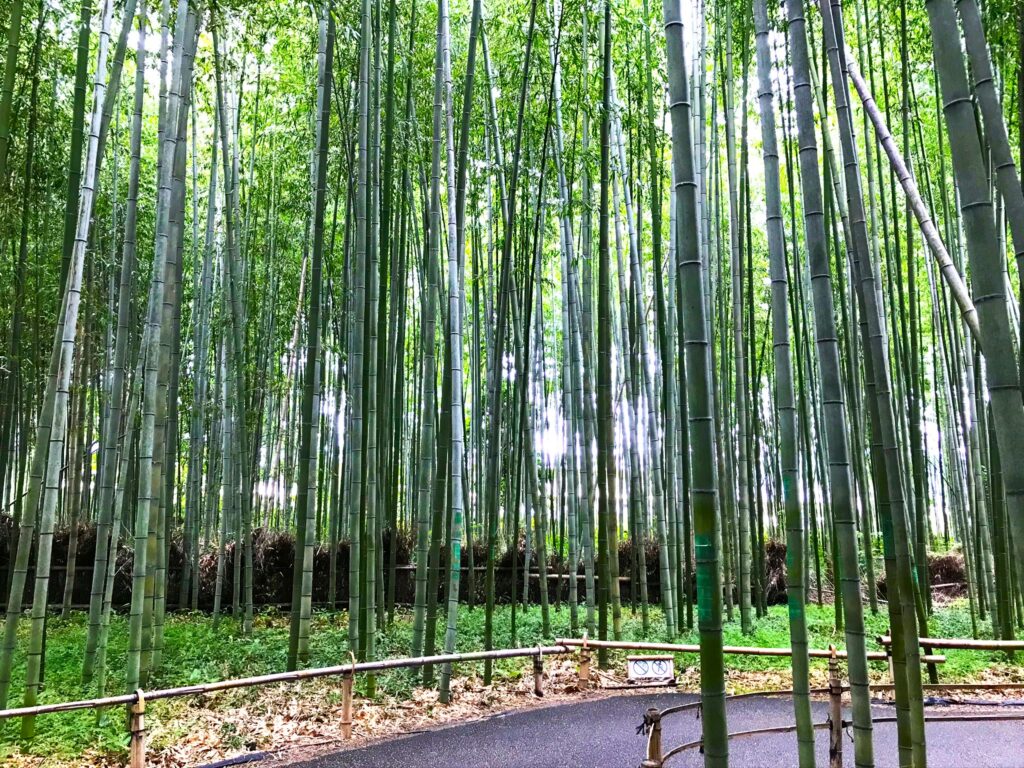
(784, 390)
(305, 517)
(148, 479)
(834, 407)
(697, 360)
(69, 324)
(986, 261)
(10, 379)
(498, 348)
(902, 608)
(358, 355)
(77, 137)
(456, 287)
(739, 396)
(605, 446)
(428, 407)
(7, 89)
(105, 542)
(666, 515)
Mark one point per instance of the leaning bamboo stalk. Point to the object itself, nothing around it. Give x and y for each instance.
(954, 281)
(234, 289)
(73, 291)
(738, 397)
(356, 350)
(566, 248)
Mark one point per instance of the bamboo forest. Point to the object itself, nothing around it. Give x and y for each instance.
(365, 367)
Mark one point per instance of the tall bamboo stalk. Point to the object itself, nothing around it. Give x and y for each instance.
(697, 353)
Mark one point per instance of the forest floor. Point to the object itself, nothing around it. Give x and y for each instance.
(304, 719)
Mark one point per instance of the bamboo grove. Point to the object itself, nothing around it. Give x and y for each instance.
(625, 291)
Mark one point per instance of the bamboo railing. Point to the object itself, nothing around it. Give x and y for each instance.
(136, 702)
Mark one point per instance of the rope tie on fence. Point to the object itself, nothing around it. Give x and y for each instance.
(651, 716)
(651, 727)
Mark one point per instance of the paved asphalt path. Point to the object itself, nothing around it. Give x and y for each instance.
(602, 734)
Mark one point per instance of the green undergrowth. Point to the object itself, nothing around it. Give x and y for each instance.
(196, 652)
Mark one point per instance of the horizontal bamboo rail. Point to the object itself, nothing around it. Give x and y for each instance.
(953, 686)
(744, 650)
(136, 701)
(963, 644)
(287, 677)
(739, 734)
(965, 718)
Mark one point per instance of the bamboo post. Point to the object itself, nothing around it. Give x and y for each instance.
(584, 667)
(835, 714)
(348, 678)
(538, 673)
(888, 658)
(584, 671)
(137, 727)
(652, 719)
(346, 706)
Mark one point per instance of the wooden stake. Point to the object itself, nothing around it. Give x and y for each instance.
(584, 671)
(137, 726)
(348, 678)
(346, 706)
(538, 674)
(835, 712)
